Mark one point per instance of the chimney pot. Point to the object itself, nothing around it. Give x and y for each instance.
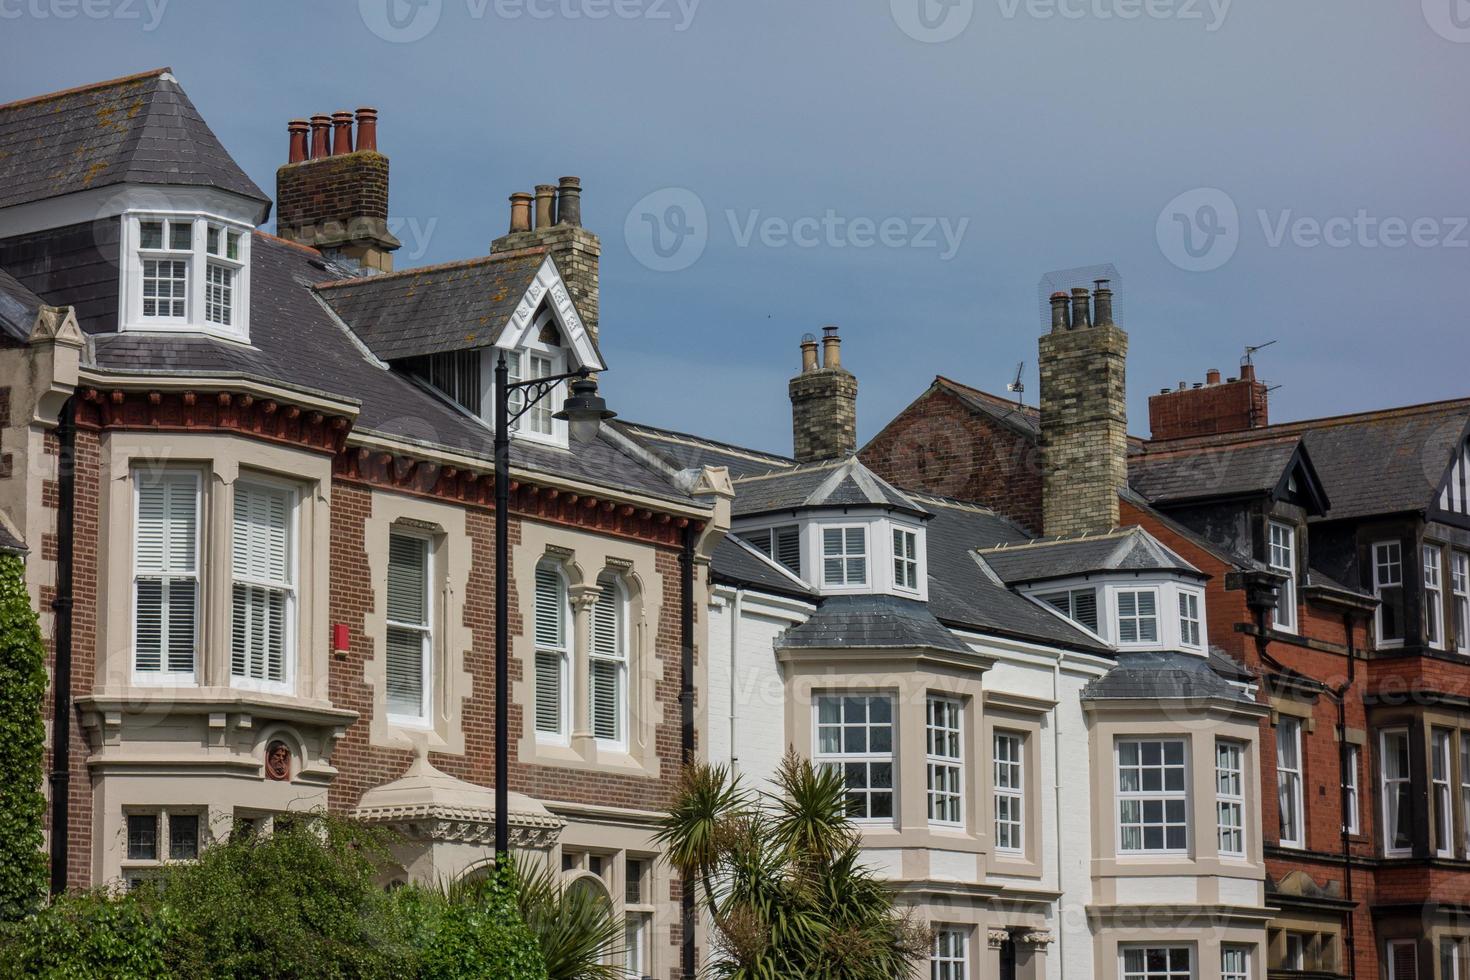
(1081, 314)
(808, 353)
(1183, 386)
(367, 129)
(520, 212)
(321, 125)
(569, 202)
(545, 204)
(1102, 303)
(297, 129)
(831, 349)
(341, 132)
(1247, 372)
(1212, 376)
(1060, 321)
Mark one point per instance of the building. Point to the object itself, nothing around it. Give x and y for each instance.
(255, 475)
(1336, 563)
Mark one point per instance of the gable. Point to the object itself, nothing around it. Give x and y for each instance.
(1452, 504)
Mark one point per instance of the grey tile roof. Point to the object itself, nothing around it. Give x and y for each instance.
(1125, 549)
(833, 483)
(437, 308)
(18, 308)
(737, 563)
(1161, 674)
(683, 451)
(1211, 471)
(871, 621)
(141, 129)
(1236, 558)
(296, 343)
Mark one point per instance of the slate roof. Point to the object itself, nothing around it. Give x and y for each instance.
(1211, 471)
(832, 483)
(1161, 674)
(141, 129)
(873, 621)
(18, 308)
(684, 451)
(296, 343)
(1122, 550)
(737, 563)
(438, 308)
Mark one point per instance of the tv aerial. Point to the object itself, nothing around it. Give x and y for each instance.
(1018, 386)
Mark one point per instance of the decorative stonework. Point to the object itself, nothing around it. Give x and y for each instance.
(236, 413)
(997, 937)
(1037, 939)
(278, 762)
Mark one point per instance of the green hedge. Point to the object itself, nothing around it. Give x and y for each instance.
(22, 744)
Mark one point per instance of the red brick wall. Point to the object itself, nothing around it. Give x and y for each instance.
(942, 446)
(1232, 407)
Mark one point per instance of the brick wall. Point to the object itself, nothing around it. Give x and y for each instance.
(1233, 406)
(823, 414)
(338, 203)
(1084, 428)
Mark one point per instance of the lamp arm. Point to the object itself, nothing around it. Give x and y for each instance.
(537, 389)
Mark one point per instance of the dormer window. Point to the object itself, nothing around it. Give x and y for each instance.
(185, 272)
(1078, 605)
(781, 544)
(844, 556)
(1138, 616)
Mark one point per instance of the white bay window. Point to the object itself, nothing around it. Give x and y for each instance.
(1153, 796)
(1157, 963)
(185, 272)
(264, 589)
(166, 575)
(1230, 797)
(1433, 597)
(844, 556)
(945, 763)
(855, 738)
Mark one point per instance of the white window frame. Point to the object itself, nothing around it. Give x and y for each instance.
(906, 561)
(1389, 948)
(767, 540)
(944, 739)
(1460, 599)
(1452, 957)
(1388, 556)
(197, 260)
(1433, 561)
(840, 759)
(1171, 972)
(1441, 795)
(846, 556)
(1142, 796)
(1138, 618)
(1054, 599)
(1352, 789)
(1281, 556)
(1230, 797)
(521, 367)
(290, 588)
(1235, 961)
(1465, 790)
(617, 658)
(563, 652)
(425, 630)
(949, 954)
(1289, 782)
(164, 675)
(1388, 787)
(1191, 618)
(1008, 785)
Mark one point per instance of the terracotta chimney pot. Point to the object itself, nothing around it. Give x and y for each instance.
(341, 132)
(297, 129)
(367, 129)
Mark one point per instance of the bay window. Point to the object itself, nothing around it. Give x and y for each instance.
(844, 556)
(264, 589)
(1441, 808)
(1433, 597)
(409, 633)
(855, 738)
(1078, 605)
(185, 272)
(1282, 558)
(1289, 782)
(1138, 616)
(1230, 797)
(1157, 962)
(550, 632)
(1153, 796)
(945, 763)
(780, 544)
(1189, 619)
(1460, 595)
(906, 559)
(1009, 792)
(1398, 821)
(1388, 588)
(608, 684)
(948, 958)
(165, 575)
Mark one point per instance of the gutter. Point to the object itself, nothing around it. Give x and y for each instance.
(61, 605)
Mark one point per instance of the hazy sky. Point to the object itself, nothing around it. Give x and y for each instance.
(940, 179)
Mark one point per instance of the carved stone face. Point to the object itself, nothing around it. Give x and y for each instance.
(278, 762)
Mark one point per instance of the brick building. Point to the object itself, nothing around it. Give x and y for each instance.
(1338, 575)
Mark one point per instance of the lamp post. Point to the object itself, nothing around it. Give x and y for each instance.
(584, 411)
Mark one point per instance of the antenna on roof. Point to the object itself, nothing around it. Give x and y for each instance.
(1251, 350)
(1018, 386)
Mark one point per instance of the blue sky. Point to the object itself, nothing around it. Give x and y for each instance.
(939, 180)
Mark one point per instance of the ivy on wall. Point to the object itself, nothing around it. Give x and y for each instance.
(22, 744)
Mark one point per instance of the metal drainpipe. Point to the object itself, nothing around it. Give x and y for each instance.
(736, 610)
(1347, 856)
(66, 436)
(686, 734)
(1056, 768)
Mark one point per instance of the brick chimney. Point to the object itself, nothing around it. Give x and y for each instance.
(1235, 405)
(333, 195)
(823, 402)
(557, 212)
(1084, 414)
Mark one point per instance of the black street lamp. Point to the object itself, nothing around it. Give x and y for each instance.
(584, 411)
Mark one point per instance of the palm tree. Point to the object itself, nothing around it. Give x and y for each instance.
(781, 878)
(579, 931)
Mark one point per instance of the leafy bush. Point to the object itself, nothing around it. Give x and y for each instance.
(22, 743)
(471, 931)
(79, 937)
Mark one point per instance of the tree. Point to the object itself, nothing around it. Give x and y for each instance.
(22, 746)
(781, 877)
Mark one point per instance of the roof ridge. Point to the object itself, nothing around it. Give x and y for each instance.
(1183, 449)
(1284, 429)
(689, 438)
(441, 267)
(1000, 402)
(799, 468)
(1116, 532)
(78, 89)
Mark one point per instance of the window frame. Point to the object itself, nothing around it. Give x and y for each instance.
(1138, 618)
(1282, 557)
(564, 653)
(1015, 794)
(1352, 788)
(1441, 792)
(842, 757)
(197, 261)
(519, 365)
(1191, 601)
(1169, 972)
(1070, 613)
(1385, 782)
(945, 729)
(1293, 779)
(291, 587)
(163, 838)
(906, 564)
(771, 548)
(1246, 954)
(1432, 561)
(1228, 797)
(1460, 599)
(425, 630)
(620, 659)
(1464, 748)
(845, 557)
(1388, 949)
(1380, 584)
(1142, 796)
(949, 952)
(163, 675)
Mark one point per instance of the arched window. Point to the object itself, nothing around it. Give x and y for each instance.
(551, 634)
(608, 685)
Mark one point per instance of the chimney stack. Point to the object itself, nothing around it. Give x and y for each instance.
(1236, 405)
(336, 197)
(555, 224)
(1084, 415)
(823, 402)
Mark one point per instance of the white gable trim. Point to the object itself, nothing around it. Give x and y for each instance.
(548, 285)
